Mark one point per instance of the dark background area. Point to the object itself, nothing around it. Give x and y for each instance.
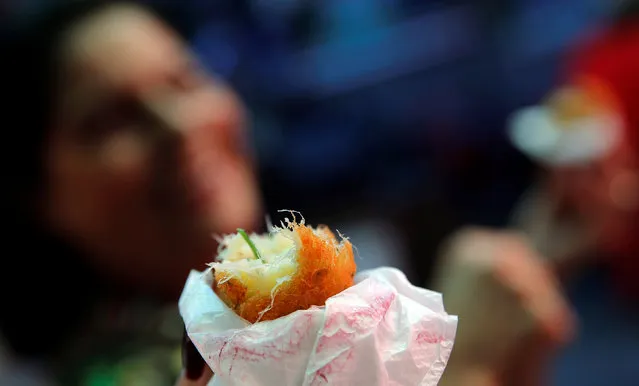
(389, 110)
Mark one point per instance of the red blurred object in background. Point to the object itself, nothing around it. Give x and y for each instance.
(612, 58)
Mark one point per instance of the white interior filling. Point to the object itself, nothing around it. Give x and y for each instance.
(278, 262)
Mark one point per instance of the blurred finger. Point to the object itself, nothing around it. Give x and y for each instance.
(196, 372)
(522, 271)
(204, 379)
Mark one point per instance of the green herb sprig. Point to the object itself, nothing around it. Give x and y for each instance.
(251, 244)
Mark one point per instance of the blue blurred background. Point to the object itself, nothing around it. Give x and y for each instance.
(389, 109)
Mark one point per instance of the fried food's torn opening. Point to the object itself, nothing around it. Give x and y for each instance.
(293, 267)
(277, 262)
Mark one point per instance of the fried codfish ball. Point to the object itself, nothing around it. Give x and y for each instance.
(264, 277)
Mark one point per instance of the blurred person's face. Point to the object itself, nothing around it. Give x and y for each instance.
(147, 159)
(604, 192)
(606, 195)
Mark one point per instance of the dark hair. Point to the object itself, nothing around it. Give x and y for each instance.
(30, 52)
(46, 286)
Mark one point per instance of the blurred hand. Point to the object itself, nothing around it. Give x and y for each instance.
(512, 315)
(196, 372)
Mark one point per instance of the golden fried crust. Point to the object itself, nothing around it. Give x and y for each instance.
(324, 270)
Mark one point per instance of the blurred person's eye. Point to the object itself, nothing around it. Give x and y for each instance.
(124, 114)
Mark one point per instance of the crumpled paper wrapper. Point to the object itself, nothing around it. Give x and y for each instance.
(381, 331)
